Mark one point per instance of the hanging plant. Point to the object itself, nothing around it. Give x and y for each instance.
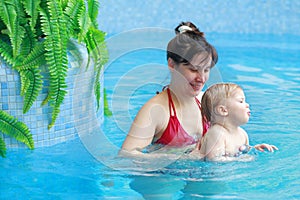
(16, 129)
(35, 34)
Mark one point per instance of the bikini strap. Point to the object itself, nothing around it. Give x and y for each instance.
(171, 104)
(198, 102)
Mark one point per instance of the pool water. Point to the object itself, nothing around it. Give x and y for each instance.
(266, 66)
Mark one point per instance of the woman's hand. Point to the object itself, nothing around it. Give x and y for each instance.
(262, 147)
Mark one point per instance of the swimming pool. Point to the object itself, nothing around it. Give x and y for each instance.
(266, 66)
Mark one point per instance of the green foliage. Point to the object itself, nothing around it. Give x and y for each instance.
(34, 34)
(31, 82)
(14, 128)
(107, 111)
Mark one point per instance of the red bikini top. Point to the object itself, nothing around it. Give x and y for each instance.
(175, 135)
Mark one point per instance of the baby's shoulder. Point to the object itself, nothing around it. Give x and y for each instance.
(216, 131)
(243, 132)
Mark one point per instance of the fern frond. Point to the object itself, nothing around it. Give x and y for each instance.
(32, 8)
(6, 52)
(21, 15)
(97, 87)
(93, 7)
(55, 44)
(2, 25)
(16, 129)
(97, 48)
(2, 148)
(84, 23)
(107, 111)
(72, 13)
(33, 80)
(64, 4)
(29, 41)
(7, 14)
(12, 21)
(95, 40)
(56, 107)
(34, 58)
(25, 83)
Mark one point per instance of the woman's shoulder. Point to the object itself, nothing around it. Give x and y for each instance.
(156, 104)
(160, 99)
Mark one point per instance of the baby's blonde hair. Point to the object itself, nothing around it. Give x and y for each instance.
(214, 95)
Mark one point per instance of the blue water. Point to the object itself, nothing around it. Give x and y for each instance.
(266, 66)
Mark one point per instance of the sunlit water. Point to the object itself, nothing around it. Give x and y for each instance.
(266, 66)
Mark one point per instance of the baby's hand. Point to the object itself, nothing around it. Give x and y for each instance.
(262, 147)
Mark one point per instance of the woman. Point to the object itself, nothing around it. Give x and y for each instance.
(173, 117)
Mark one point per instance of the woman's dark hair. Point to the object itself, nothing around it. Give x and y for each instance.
(188, 42)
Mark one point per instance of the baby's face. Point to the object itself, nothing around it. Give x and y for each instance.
(238, 108)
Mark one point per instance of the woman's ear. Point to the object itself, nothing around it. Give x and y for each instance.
(171, 64)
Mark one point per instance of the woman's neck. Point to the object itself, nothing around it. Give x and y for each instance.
(179, 95)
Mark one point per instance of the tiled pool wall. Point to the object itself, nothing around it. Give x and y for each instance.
(222, 16)
(38, 117)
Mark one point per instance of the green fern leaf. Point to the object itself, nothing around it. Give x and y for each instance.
(31, 8)
(97, 48)
(107, 111)
(64, 4)
(46, 100)
(34, 58)
(12, 21)
(54, 27)
(27, 46)
(7, 14)
(34, 83)
(95, 40)
(6, 52)
(16, 129)
(25, 83)
(97, 87)
(2, 148)
(72, 13)
(93, 7)
(21, 15)
(84, 23)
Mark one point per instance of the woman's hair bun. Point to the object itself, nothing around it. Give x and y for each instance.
(189, 28)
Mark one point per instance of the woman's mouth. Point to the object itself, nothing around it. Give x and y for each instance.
(196, 87)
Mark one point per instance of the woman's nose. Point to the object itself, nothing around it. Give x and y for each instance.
(200, 76)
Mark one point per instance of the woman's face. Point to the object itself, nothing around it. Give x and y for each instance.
(194, 75)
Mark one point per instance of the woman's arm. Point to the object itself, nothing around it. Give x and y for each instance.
(146, 123)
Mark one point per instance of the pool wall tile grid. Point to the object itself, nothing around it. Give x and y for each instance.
(38, 117)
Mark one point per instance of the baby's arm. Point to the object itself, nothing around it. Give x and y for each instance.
(262, 147)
